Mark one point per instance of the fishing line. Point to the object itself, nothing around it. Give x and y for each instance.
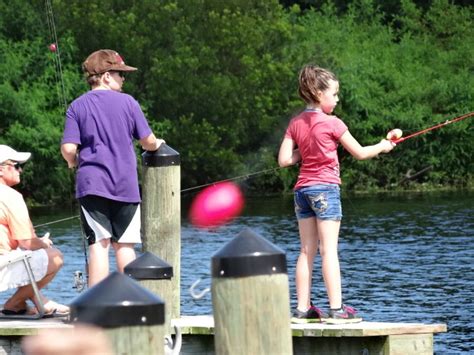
(55, 48)
(57, 55)
(246, 176)
(53, 222)
(423, 131)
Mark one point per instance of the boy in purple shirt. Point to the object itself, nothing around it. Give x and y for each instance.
(100, 129)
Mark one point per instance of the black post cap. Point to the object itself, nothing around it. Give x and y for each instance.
(118, 301)
(164, 156)
(149, 267)
(248, 254)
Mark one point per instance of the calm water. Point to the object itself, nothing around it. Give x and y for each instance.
(404, 258)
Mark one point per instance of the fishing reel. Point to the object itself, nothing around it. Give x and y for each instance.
(79, 282)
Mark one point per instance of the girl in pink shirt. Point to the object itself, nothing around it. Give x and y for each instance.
(312, 139)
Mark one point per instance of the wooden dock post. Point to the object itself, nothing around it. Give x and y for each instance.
(250, 297)
(155, 275)
(161, 213)
(132, 316)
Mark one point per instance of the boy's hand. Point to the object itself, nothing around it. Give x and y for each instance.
(159, 142)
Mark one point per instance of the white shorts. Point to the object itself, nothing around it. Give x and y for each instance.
(15, 275)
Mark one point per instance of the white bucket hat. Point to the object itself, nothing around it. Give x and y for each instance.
(7, 153)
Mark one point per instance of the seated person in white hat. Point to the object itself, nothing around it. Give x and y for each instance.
(17, 234)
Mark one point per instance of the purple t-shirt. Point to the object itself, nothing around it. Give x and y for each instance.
(104, 124)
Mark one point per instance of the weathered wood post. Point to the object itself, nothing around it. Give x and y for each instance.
(161, 214)
(250, 297)
(132, 316)
(154, 274)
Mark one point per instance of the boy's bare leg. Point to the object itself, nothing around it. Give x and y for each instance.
(98, 261)
(124, 254)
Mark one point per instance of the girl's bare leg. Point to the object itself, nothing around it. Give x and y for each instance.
(304, 266)
(328, 244)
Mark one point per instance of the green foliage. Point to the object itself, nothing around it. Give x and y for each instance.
(225, 69)
(221, 67)
(202, 150)
(412, 77)
(218, 81)
(31, 104)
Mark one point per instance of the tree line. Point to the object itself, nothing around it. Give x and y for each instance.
(218, 81)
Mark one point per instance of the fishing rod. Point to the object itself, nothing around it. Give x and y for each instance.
(400, 139)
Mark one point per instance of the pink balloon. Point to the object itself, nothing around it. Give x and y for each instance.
(216, 205)
(52, 47)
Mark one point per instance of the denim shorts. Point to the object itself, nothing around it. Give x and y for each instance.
(322, 201)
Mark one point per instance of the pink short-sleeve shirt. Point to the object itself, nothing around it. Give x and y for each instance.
(317, 137)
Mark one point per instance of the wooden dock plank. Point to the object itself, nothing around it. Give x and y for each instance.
(30, 327)
(198, 336)
(205, 325)
(364, 329)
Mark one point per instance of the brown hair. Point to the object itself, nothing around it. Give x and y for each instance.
(93, 80)
(311, 80)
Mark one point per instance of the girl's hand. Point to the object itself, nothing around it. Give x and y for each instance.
(288, 155)
(386, 145)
